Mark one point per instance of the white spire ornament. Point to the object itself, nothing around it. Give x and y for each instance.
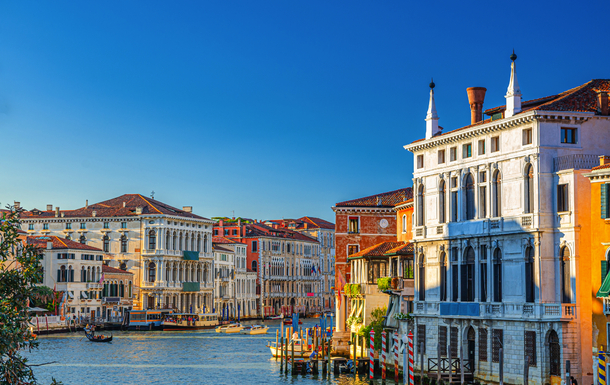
(513, 94)
(432, 117)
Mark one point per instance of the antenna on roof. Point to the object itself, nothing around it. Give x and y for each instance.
(152, 194)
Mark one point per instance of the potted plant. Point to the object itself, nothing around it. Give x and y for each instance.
(383, 284)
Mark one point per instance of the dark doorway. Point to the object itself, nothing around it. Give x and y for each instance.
(471, 347)
(151, 302)
(554, 354)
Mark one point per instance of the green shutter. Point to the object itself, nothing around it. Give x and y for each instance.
(605, 193)
(604, 270)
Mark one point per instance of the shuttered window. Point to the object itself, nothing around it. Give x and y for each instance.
(497, 342)
(604, 201)
(421, 338)
(482, 345)
(442, 340)
(454, 342)
(604, 270)
(530, 346)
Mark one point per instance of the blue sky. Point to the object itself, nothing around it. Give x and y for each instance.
(264, 109)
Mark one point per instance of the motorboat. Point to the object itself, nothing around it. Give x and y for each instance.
(255, 329)
(230, 328)
(301, 349)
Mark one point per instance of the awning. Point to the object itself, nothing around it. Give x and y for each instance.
(83, 295)
(604, 290)
(71, 295)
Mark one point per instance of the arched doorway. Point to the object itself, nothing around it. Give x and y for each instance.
(554, 354)
(471, 336)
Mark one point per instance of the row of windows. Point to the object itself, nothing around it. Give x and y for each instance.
(568, 136)
(83, 226)
(464, 280)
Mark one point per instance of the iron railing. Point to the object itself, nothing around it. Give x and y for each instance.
(575, 161)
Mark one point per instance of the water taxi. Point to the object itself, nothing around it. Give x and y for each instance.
(300, 348)
(189, 321)
(255, 329)
(147, 319)
(231, 328)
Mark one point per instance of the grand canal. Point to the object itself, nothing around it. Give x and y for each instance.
(197, 357)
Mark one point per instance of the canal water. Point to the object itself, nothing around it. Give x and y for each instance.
(193, 357)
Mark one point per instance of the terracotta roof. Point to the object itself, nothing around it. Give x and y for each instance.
(387, 199)
(404, 249)
(112, 270)
(220, 248)
(226, 240)
(58, 243)
(601, 167)
(317, 222)
(579, 99)
(122, 206)
(262, 230)
(301, 223)
(378, 250)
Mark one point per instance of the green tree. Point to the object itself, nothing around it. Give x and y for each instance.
(20, 270)
(376, 324)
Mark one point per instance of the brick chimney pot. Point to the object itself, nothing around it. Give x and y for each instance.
(476, 97)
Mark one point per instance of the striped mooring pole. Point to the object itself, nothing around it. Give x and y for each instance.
(601, 371)
(384, 348)
(411, 379)
(396, 357)
(371, 360)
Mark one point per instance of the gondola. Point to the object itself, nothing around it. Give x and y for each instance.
(93, 339)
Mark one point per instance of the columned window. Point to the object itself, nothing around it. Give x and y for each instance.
(152, 240)
(443, 278)
(422, 278)
(529, 189)
(566, 296)
(420, 205)
(152, 272)
(529, 274)
(467, 275)
(106, 240)
(441, 202)
(123, 244)
(469, 197)
(483, 273)
(497, 195)
(497, 275)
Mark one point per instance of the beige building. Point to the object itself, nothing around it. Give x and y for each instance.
(169, 250)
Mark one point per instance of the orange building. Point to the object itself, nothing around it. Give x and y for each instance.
(600, 251)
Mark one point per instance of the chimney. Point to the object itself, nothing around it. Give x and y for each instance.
(221, 223)
(188, 209)
(602, 102)
(56, 212)
(49, 207)
(239, 222)
(94, 213)
(86, 203)
(17, 205)
(604, 159)
(139, 210)
(476, 96)
(124, 205)
(49, 245)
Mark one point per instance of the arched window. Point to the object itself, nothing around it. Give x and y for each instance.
(198, 243)
(566, 296)
(168, 244)
(186, 241)
(467, 275)
(442, 207)
(443, 277)
(129, 291)
(152, 272)
(420, 205)
(121, 290)
(254, 266)
(205, 243)
(175, 242)
(497, 275)
(483, 274)
(106, 241)
(404, 225)
(61, 274)
(83, 274)
(193, 243)
(422, 278)
(529, 189)
(497, 195)
(152, 240)
(180, 240)
(83, 239)
(529, 274)
(123, 243)
(554, 354)
(70, 274)
(469, 196)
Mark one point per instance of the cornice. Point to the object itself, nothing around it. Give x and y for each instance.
(364, 209)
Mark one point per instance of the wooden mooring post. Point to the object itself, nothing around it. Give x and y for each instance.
(277, 340)
(293, 366)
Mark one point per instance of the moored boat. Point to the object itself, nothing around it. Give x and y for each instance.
(300, 348)
(288, 321)
(147, 319)
(255, 329)
(230, 328)
(189, 321)
(99, 338)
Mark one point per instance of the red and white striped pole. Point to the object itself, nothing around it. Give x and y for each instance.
(411, 379)
(384, 348)
(371, 360)
(396, 357)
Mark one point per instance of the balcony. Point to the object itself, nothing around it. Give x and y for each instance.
(111, 300)
(191, 286)
(499, 310)
(92, 285)
(575, 161)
